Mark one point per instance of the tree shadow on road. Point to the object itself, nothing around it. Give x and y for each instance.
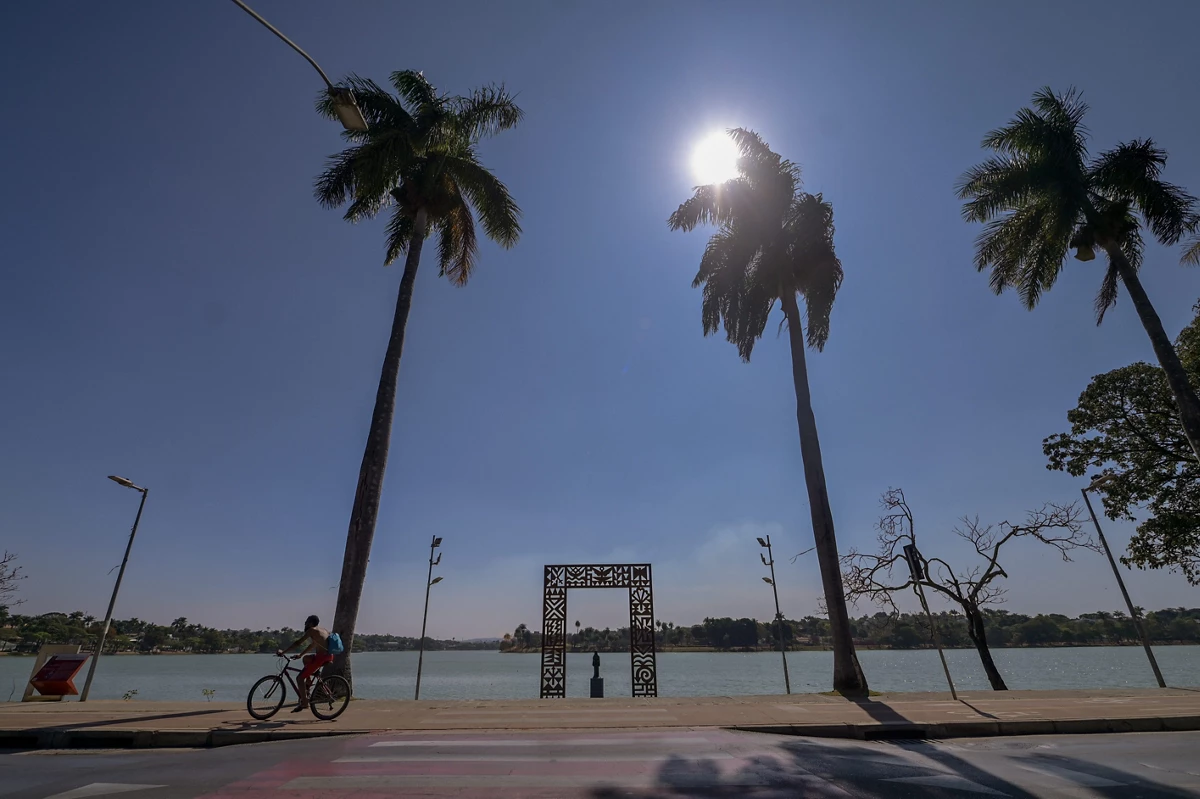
(805, 768)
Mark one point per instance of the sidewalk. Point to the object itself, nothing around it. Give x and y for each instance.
(117, 724)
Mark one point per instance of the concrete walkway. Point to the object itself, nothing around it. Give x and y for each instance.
(910, 715)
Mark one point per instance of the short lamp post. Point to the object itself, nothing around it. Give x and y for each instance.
(87, 686)
(1133, 614)
(430, 582)
(916, 568)
(344, 104)
(769, 560)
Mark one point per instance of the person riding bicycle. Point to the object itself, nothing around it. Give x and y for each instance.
(315, 655)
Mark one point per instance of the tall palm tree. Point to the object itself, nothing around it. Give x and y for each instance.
(1043, 194)
(419, 159)
(774, 242)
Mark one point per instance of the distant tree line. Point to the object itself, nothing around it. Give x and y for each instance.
(26, 633)
(890, 631)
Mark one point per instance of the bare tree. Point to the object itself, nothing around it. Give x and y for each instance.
(871, 576)
(10, 575)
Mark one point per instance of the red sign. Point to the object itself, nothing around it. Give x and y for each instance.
(54, 678)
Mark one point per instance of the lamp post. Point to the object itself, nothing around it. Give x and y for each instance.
(1133, 614)
(766, 544)
(430, 582)
(87, 686)
(344, 104)
(916, 567)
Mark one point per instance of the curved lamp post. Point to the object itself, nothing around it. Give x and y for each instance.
(1133, 614)
(343, 99)
(766, 544)
(87, 686)
(430, 582)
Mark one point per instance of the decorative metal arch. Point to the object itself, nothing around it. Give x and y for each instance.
(635, 577)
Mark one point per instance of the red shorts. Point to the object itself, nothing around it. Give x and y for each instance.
(313, 662)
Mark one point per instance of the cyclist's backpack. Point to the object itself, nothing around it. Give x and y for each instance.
(334, 644)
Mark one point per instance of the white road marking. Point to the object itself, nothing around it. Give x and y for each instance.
(102, 789)
(501, 758)
(1074, 777)
(548, 742)
(367, 782)
(948, 781)
(581, 712)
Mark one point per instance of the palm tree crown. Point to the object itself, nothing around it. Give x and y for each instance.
(1042, 194)
(773, 241)
(419, 153)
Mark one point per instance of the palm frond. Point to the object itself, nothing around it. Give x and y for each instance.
(710, 205)
(399, 235)
(1107, 296)
(335, 184)
(457, 246)
(1132, 172)
(491, 198)
(816, 271)
(1192, 254)
(413, 87)
(1025, 250)
(486, 112)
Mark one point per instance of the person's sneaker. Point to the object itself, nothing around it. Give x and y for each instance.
(299, 708)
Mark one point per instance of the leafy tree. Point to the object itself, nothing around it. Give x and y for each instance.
(419, 158)
(874, 577)
(773, 242)
(1043, 194)
(1127, 422)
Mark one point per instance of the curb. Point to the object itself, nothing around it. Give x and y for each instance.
(52, 738)
(977, 729)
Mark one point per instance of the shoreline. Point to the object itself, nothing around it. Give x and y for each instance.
(667, 650)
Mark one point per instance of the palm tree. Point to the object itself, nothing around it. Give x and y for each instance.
(1043, 194)
(773, 242)
(419, 158)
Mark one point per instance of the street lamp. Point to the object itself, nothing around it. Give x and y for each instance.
(87, 686)
(787, 681)
(1133, 614)
(916, 568)
(344, 104)
(430, 582)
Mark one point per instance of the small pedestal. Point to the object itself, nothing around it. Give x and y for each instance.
(597, 688)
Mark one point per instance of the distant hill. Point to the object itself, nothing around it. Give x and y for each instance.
(482, 640)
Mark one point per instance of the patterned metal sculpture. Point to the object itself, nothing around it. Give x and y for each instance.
(635, 577)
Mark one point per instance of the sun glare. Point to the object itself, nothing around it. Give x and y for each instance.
(715, 158)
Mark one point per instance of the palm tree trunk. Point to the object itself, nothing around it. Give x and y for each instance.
(978, 634)
(848, 677)
(374, 463)
(1168, 358)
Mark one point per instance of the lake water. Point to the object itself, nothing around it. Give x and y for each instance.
(491, 675)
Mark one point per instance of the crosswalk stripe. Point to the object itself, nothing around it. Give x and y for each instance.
(430, 742)
(377, 781)
(1074, 777)
(102, 789)
(535, 713)
(416, 758)
(948, 781)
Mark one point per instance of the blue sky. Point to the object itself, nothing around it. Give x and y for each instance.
(177, 309)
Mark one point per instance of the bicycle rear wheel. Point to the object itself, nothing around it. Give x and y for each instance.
(329, 697)
(266, 697)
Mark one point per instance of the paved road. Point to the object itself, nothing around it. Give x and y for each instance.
(642, 765)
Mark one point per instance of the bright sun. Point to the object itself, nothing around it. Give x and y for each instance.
(715, 158)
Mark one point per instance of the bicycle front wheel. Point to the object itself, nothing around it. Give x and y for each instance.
(266, 697)
(330, 696)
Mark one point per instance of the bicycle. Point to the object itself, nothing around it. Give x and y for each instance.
(327, 698)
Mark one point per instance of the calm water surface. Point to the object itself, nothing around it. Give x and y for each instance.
(491, 675)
